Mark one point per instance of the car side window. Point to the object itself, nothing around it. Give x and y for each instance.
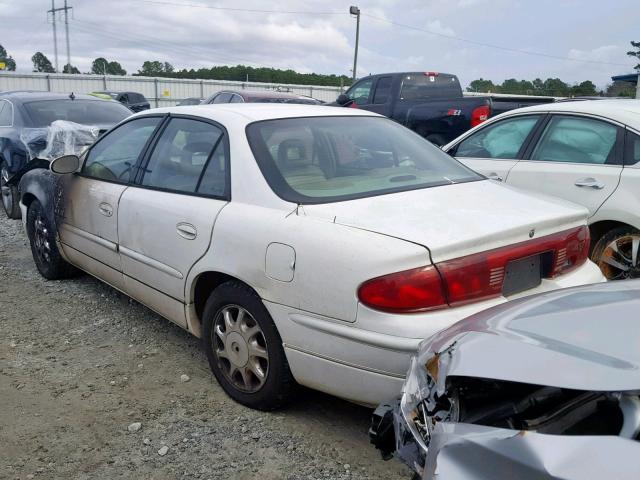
(124, 98)
(236, 99)
(183, 152)
(360, 92)
(115, 155)
(6, 114)
(577, 140)
(383, 90)
(503, 139)
(223, 97)
(632, 154)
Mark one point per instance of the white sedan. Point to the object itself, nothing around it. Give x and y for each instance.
(301, 243)
(587, 152)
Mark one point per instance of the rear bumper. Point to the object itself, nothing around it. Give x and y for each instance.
(366, 361)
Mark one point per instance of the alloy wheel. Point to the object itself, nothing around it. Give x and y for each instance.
(7, 198)
(41, 240)
(621, 258)
(240, 347)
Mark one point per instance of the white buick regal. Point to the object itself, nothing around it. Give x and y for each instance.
(302, 243)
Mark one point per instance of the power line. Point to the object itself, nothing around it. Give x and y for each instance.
(235, 9)
(490, 45)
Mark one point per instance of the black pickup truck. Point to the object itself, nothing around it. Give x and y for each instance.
(430, 103)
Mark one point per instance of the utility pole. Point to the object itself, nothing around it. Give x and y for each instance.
(353, 10)
(55, 34)
(66, 29)
(53, 13)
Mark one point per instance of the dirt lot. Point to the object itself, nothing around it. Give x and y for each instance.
(80, 362)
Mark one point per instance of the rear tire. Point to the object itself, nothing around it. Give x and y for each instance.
(244, 348)
(9, 193)
(42, 237)
(617, 253)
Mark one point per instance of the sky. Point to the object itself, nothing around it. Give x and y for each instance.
(573, 40)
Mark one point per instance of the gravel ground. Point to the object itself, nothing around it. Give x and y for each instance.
(81, 364)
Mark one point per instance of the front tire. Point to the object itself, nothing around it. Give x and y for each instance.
(244, 348)
(42, 237)
(9, 193)
(617, 253)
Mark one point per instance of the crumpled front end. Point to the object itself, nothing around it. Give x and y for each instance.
(452, 427)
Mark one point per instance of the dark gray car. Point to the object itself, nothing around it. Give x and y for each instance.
(134, 101)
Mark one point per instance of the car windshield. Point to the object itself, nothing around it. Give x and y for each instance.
(87, 112)
(324, 159)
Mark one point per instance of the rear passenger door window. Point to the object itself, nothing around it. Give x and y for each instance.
(383, 90)
(189, 157)
(578, 140)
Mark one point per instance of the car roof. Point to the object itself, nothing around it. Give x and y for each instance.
(623, 111)
(264, 94)
(251, 112)
(34, 95)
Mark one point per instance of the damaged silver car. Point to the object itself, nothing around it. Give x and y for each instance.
(543, 387)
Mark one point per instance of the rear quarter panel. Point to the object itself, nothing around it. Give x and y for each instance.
(331, 260)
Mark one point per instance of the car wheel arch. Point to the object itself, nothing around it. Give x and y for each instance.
(600, 228)
(201, 288)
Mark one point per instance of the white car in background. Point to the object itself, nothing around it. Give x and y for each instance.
(299, 242)
(587, 152)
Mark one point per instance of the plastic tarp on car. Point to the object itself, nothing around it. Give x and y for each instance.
(60, 138)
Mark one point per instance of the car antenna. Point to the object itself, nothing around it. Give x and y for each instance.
(72, 96)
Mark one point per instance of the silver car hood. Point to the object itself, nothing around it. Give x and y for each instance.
(536, 340)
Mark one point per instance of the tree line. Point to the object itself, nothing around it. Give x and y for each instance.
(549, 87)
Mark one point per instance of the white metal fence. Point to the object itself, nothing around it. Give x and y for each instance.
(160, 92)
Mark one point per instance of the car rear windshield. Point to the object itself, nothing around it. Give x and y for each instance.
(325, 159)
(422, 86)
(88, 112)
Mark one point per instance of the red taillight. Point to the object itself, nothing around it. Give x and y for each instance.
(480, 114)
(431, 74)
(414, 290)
(474, 277)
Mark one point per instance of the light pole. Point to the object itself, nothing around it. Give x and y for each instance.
(353, 10)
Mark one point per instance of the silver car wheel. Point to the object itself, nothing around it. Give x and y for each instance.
(7, 198)
(621, 258)
(240, 347)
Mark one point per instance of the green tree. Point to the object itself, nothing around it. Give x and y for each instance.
(517, 87)
(41, 63)
(584, 89)
(556, 88)
(68, 68)
(635, 53)
(101, 66)
(5, 58)
(155, 69)
(484, 86)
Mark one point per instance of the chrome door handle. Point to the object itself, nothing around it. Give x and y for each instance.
(589, 183)
(186, 231)
(494, 176)
(105, 209)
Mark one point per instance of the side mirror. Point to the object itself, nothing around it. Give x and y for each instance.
(65, 164)
(342, 99)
